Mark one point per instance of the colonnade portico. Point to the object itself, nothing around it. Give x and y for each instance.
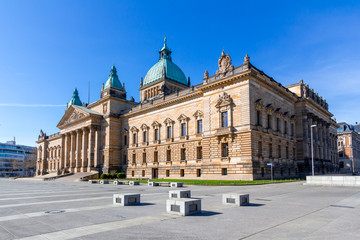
(81, 149)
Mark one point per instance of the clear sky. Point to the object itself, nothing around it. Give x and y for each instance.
(47, 48)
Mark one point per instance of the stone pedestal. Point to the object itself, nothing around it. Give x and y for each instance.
(183, 206)
(179, 194)
(126, 199)
(176, 184)
(236, 199)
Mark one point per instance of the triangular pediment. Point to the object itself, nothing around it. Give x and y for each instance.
(75, 114)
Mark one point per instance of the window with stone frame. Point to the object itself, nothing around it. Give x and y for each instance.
(287, 152)
(156, 156)
(182, 172)
(292, 129)
(270, 150)
(199, 152)
(134, 132)
(260, 149)
(224, 119)
(168, 155)
(224, 149)
(167, 173)
(269, 121)
(278, 124)
(183, 154)
(143, 173)
(198, 172)
(145, 132)
(199, 121)
(279, 150)
(285, 127)
(225, 108)
(125, 140)
(156, 126)
(132, 173)
(134, 138)
(169, 128)
(134, 158)
(258, 118)
(224, 171)
(183, 125)
(294, 153)
(124, 159)
(144, 157)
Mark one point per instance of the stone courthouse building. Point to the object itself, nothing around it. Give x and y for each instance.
(230, 126)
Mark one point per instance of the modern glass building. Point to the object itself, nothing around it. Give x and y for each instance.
(17, 160)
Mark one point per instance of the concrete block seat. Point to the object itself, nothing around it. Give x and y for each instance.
(93, 182)
(183, 206)
(132, 183)
(153, 184)
(176, 184)
(236, 199)
(104, 181)
(126, 199)
(179, 194)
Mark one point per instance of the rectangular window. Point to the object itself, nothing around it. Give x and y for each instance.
(262, 172)
(143, 173)
(292, 130)
(199, 126)
(182, 172)
(167, 173)
(183, 154)
(224, 171)
(224, 119)
(259, 149)
(168, 155)
(198, 172)
(169, 132)
(132, 173)
(279, 151)
(124, 159)
(287, 152)
(285, 127)
(294, 153)
(157, 134)
(199, 153)
(269, 121)
(134, 158)
(144, 157)
(277, 124)
(224, 150)
(258, 118)
(125, 140)
(270, 150)
(145, 136)
(156, 156)
(183, 129)
(134, 138)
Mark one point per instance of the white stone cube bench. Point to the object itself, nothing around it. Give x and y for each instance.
(176, 184)
(179, 194)
(183, 206)
(126, 199)
(93, 181)
(236, 199)
(104, 181)
(153, 184)
(117, 182)
(132, 183)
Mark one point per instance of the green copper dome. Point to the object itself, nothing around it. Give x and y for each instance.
(113, 79)
(75, 100)
(165, 68)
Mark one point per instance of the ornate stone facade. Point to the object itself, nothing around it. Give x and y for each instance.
(228, 127)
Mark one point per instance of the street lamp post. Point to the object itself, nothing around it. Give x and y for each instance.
(312, 149)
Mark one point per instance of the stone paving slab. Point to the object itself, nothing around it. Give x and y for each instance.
(61, 210)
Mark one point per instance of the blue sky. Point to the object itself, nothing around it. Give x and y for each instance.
(47, 48)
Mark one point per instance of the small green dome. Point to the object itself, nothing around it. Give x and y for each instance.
(113, 79)
(75, 100)
(165, 68)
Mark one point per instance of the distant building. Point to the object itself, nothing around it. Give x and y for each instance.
(230, 126)
(349, 147)
(17, 160)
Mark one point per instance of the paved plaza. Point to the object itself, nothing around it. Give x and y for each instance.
(63, 210)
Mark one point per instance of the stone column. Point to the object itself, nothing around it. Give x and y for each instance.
(72, 152)
(84, 150)
(97, 147)
(66, 150)
(61, 157)
(78, 151)
(91, 149)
